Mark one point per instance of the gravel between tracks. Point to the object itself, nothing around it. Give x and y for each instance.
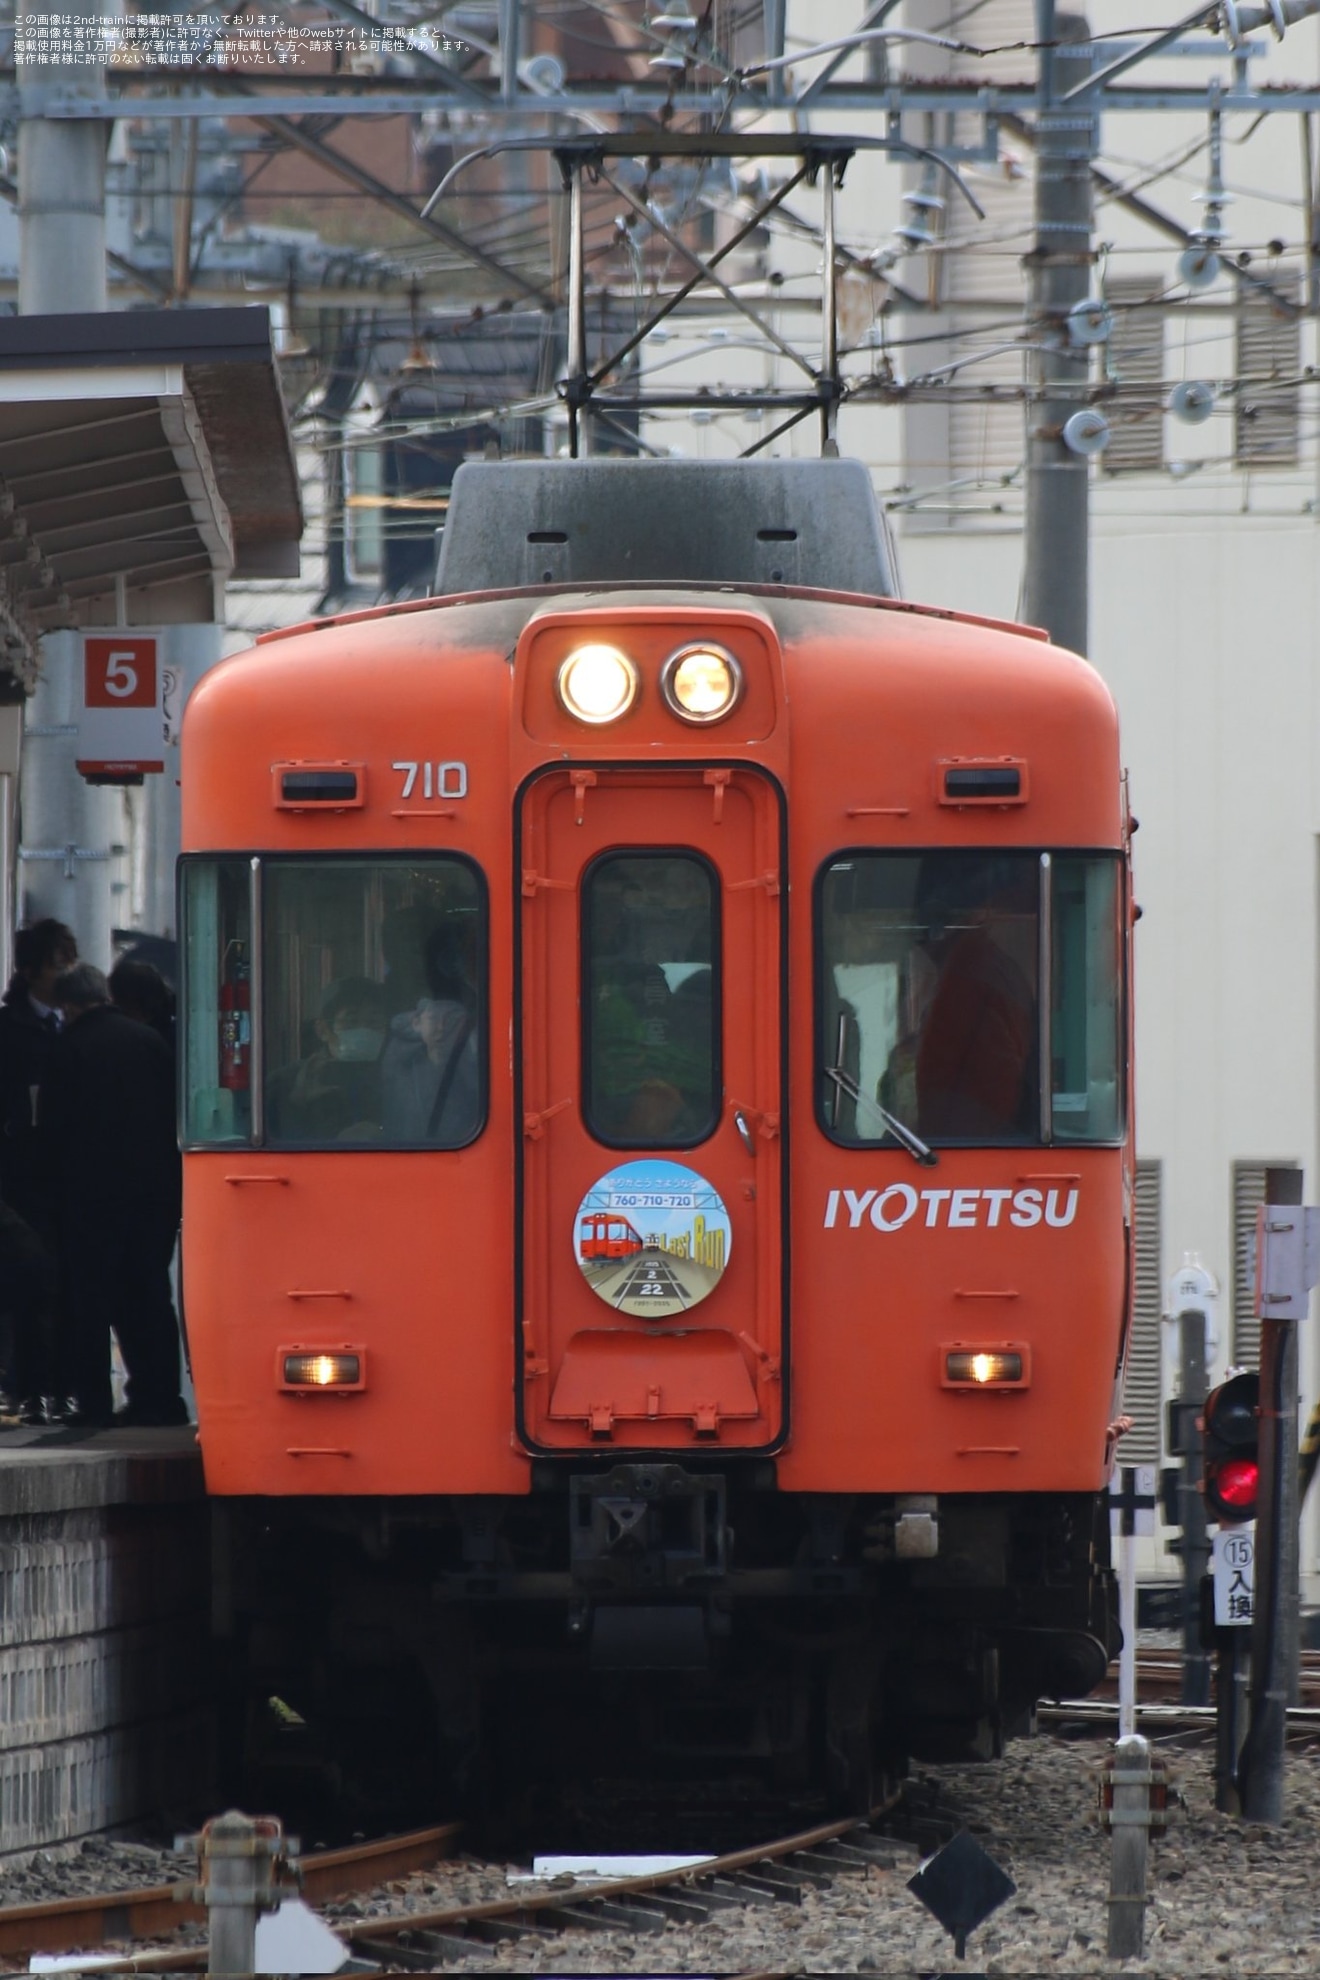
(1227, 1899)
(88, 1869)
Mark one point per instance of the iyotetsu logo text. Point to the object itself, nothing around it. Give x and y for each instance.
(949, 1209)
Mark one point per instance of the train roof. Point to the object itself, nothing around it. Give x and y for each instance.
(620, 521)
(500, 615)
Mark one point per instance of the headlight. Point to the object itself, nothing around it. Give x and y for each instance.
(321, 1368)
(998, 1365)
(597, 684)
(701, 683)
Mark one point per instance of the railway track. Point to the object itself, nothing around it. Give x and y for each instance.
(1159, 1679)
(778, 1872)
(62, 1925)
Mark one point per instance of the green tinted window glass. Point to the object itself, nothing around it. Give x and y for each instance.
(216, 1033)
(929, 1001)
(1086, 1030)
(373, 1003)
(651, 1022)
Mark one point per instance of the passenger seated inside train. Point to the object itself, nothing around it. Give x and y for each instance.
(333, 1094)
(430, 1089)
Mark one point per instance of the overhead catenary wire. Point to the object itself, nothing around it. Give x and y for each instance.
(517, 228)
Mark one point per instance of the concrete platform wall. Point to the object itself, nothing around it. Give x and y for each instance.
(105, 1672)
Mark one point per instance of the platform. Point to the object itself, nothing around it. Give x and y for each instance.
(105, 1718)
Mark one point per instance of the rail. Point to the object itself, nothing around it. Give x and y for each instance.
(770, 1871)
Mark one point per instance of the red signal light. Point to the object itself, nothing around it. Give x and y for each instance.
(1231, 1426)
(1238, 1481)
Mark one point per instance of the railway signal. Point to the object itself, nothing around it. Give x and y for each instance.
(1231, 1425)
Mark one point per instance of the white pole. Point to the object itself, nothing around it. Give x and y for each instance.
(1127, 1615)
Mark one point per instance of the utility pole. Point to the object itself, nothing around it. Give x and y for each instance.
(61, 187)
(1055, 542)
(68, 864)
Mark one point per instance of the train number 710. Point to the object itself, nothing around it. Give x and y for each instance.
(444, 780)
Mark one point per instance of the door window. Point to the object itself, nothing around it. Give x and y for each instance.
(650, 1018)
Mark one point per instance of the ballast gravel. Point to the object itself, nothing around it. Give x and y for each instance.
(1226, 1899)
(88, 1869)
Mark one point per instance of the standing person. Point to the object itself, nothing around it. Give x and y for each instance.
(107, 1124)
(140, 991)
(29, 1028)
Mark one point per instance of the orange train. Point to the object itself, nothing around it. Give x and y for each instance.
(665, 870)
(606, 1236)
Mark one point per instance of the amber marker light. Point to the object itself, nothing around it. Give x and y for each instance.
(701, 683)
(597, 684)
(1001, 1366)
(308, 1369)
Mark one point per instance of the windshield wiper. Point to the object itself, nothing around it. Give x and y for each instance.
(903, 1135)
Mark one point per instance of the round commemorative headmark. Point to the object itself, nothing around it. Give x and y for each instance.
(652, 1238)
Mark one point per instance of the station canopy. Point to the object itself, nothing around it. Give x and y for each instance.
(145, 457)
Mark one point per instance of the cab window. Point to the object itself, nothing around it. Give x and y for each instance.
(1086, 1018)
(215, 1032)
(930, 1007)
(364, 1001)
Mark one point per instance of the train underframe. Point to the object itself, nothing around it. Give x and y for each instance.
(651, 1616)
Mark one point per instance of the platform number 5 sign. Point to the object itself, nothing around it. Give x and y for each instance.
(121, 731)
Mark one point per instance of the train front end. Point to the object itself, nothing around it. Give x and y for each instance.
(656, 1103)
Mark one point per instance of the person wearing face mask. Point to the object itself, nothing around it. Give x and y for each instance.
(334, 1093)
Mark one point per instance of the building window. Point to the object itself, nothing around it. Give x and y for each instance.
(1136, 365)
(1248, 1195)
(1143, 1400)
(1266, 413)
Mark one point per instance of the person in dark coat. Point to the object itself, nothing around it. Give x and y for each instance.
(139, 990)
(29, 1025)
(30, 1282)
(107, 1125)
(29, 1028)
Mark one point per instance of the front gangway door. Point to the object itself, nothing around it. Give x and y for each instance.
(651, 1202)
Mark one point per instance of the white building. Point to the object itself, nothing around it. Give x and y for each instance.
(1204, 588)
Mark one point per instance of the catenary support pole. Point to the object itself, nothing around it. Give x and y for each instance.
(578, 382)
(1055, 547)
(70, 858)
(829, 318)
(1274, 1629)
